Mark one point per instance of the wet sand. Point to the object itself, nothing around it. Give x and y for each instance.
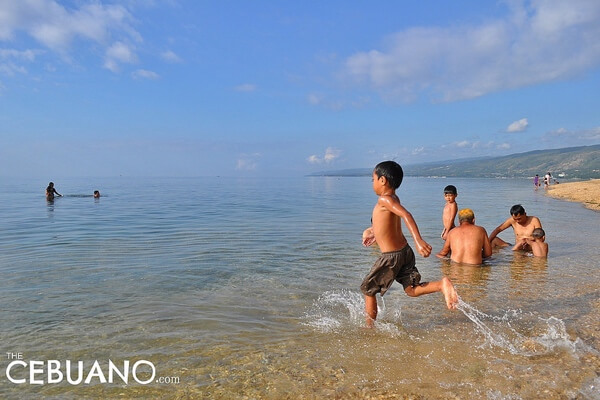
(585, 192)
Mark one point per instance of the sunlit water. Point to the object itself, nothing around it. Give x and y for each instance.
(249, 288)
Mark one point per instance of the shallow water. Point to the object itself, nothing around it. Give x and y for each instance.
(248, 288)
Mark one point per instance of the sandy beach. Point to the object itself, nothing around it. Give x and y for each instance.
(585, 192)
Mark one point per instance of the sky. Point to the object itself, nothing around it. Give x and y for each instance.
(183, 88)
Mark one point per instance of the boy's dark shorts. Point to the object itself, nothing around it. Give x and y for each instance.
(396, 265)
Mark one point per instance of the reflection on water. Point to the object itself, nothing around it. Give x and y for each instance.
(473, 280)
(527, 273)
(250, 289)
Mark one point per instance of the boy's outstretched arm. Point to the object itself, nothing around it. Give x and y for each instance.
(394, 206)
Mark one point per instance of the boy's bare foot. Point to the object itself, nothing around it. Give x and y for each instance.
(449, 294)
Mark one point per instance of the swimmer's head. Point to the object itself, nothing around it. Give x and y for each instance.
(466, 214)
(450, 189)
(538, 233)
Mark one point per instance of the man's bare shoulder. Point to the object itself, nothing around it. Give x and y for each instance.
(536, 221)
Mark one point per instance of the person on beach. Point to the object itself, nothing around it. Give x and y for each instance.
(536, 181)
(96, 194)
(523, 226)
(538, 244)
(450, 210)
(547, 180)
(397, 260)
(467, 243)
(51, 191)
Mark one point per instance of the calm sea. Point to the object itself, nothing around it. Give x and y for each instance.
(227, 288)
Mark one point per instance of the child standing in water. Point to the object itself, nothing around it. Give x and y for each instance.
(397, 261)
(450, 210)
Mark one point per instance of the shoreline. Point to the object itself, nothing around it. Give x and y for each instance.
(584, 192)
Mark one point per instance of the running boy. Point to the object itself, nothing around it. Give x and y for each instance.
(397, 261)
(450, 210)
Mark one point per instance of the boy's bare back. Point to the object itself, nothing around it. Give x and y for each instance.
(448, 217)
(538, 247)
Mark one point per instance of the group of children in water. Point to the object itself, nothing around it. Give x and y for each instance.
(466, 243)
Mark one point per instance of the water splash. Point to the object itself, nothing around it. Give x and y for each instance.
(499, 331)
(337, 310)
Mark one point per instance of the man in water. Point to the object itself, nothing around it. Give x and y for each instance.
(522, 225)
(467, 243)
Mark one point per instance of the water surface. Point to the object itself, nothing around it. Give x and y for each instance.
(239, 288)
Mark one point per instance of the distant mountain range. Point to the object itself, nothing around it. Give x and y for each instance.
(567, 163)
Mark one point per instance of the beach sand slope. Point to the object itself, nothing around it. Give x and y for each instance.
(585, 192)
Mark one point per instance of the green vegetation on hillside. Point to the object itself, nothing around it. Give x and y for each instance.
(567, 163)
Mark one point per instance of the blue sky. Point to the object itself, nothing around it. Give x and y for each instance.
(282, 88)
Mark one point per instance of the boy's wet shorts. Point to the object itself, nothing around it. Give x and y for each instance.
(394, 265)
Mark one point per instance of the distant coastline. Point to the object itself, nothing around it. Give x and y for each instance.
(571, 163)
(585, 192)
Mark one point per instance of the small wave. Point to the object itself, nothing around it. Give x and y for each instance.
(499, 331)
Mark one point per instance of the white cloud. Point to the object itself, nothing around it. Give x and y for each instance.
(538, 41)
(170, 56)
(145, 74)
(26, 55)
(56, 27)
(313, 99)
(313, 159)
(11, 59)
(574, 138)
(518, 126)
(322, 100)
(418, 150)
(246, 87)
(503, 146)
(331, 154)
(119, 52)
(463, 143)
(248, 162)
(11, 69)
